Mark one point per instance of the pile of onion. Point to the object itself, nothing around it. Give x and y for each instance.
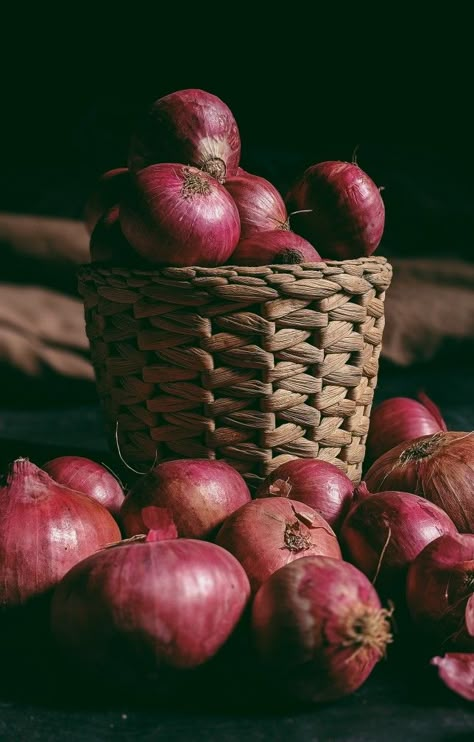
(318, 484)
(340, 210)
(141, 608)
(266, 534)
(200, 495)
(320, 628)
(383, 533)
(261, 208)
(107, 193)
(192, 127)
(401, 419)
(88, 477)
(439, 467)
(177, 215)
(45, 529)
(440, 591)
(278, 247)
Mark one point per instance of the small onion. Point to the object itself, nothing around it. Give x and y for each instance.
(401, 419)
(266, 534)
(318, 484)
(344, 211)
(439, 467)
(107, 243)
(88, 477)
(141, 608)
(178, 215)
(192, 127)
(440, 585)
(383, 533)
(108, 192)
(319, 626)
(456, 670)
(261, 208)
(277, 246)
(45, 529)
(200, 495)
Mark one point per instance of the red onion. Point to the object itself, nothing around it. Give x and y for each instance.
(440, 583)
(382, 534)
(144, 607)
(107, 242)
(469, 616)
(346, 214)
(88, 477)
(318, 484)
(401, 419)
(200, 494)
(440, 467)
(45, 529)
(456, 670)
(266, 534)
(192, 127)
(319, 626)
(108, 192)
(278, 246)
(261, 208)
(178, 215)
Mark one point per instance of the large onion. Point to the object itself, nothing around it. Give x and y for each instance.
(261, 208)
(266, 534)
(439, 467)
(192, 127)
(177, 215)
(344, 211)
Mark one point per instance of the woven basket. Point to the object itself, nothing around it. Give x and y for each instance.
(252, 365)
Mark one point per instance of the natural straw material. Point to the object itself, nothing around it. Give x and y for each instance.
(253, 365)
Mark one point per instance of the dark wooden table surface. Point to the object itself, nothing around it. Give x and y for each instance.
(402, 700)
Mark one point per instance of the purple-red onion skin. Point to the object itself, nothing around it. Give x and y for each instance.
(266, 534)
(107, 193)
(439, 467)
(440, 583)
(45, 529)
(302, 618)
(178, 215)
(397, 420)
(456, 670)
(277, 247)
(318, 484)
(200, 494)
(347, 214)
(261, 207)
(107, 243)
(145, 607)
(192, 127)
(88, 477)
(385, 532)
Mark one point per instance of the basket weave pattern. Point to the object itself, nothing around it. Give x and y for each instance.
(252, 365)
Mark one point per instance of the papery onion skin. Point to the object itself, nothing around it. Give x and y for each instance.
(318, 484)
(200, 494)
(107, 243)
(439, 467)
(277, 247)
(178, 215)
(45, 529)
(266, 534)
(347, 214)
(401, 419)
(261, 207)
(141, 608)
(456, 670)
(319, 626)
(107, 193)
(192, 127)
(87, 476)
(440, 582)
(383, 533)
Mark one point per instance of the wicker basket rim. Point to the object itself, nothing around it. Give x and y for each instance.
(89, 269)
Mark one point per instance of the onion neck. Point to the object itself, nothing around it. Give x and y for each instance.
(27, 480)
(422, 449)
(216, 168)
